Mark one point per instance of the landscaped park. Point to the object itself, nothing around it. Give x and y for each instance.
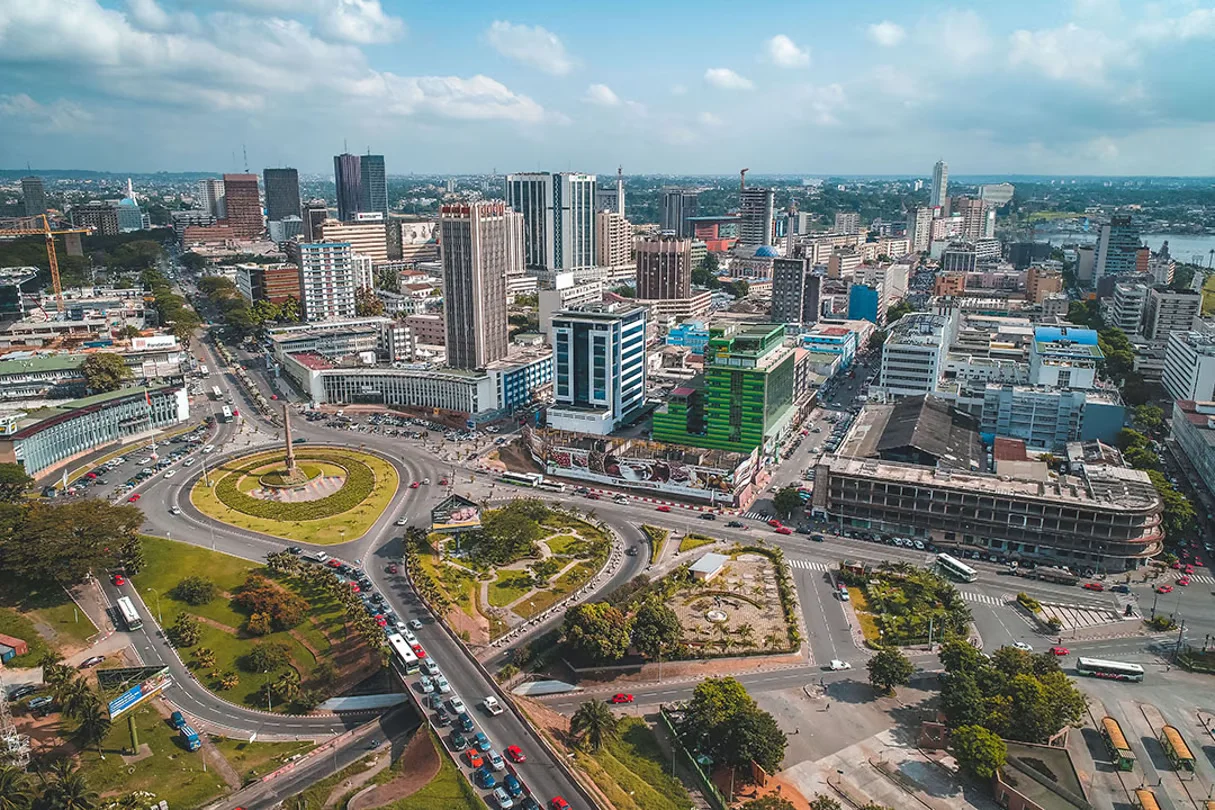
(899, 605)
(327, 495)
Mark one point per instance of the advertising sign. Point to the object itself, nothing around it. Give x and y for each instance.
(455, 514)
(139, 693)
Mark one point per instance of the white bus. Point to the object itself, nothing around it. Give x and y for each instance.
(203, 370)
(216, 394)
(522, 479)
(226, 414)
(956, 568)
(404, 653)
(130, 617)
(552, 486)
(1113, 670)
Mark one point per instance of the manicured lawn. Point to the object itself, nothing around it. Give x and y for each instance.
(693, 541)
(172, 773)
(637, 771)
(562, 543)
(456, 583)
(26, 606)
(254, 760)
(564, 585)
(658, 537)
(448, 790)
(349, 525)
(509, 586)
(15, 624)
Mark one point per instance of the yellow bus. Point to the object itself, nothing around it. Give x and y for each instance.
(1115, 742)
(1176, 750)
(1146, 800)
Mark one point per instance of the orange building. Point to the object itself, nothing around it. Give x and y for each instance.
(949, 284)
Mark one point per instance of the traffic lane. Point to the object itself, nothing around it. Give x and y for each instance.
(824, 617)
(539, 772)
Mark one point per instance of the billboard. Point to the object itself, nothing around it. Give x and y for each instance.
(140, 692)
(455, 514)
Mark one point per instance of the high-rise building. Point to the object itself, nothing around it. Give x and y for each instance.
(326, 272)
(101, 216)
(482, 243)
(974, 217)
(611, 198)
(795, 292)
(364, 272)
(282, 193)
(613, 240)
(558, 218)
(919, 229)
(866, 303)
(1117, 248)
(678, 206)
(938, 194)
(244, 206)
(367, 235)
(1041, 282)
(599, 367)
(314, 216)
(374, 181)
(1170, 311)
(33, 194)
(847, 222)
(757, 208)
(1130, 301)
(348, 177)
(997, 194)
(268, 282)
(1189, 366)
(664, 267)
(211, 197)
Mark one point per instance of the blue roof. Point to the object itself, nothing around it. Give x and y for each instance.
(1053, 334)
(766, 250)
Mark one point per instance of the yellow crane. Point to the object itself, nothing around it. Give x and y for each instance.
(29, 226)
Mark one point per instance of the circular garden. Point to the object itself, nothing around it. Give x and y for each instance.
(334, 495)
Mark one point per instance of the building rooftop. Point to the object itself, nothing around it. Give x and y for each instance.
(40, 363)
(1072, 334)
(709, 564)
(311, 361)
(1005, 449)
(933, 427)
(1045, 775)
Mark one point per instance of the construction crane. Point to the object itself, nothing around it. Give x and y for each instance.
(742, 179)
(29, 226)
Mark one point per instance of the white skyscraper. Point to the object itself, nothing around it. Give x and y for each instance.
(939, 192)
(211, 198)
(558, 218)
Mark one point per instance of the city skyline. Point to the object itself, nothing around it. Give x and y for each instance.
(1077, 88)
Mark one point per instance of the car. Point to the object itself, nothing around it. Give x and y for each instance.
(1093, 586)
(734, 524)
(418, 651)
(415, 485)
(209, 448)
(1021, 645)
(456, 703)
(443, 482)
(431, 668)
(442, 718)
(415, 624)
(1059, 651)
(783, 530)
(485, 778)
(294, 550)
(492, 706)
(458, 741)
(170, 473)
(441, 685)
(495, 760)
(503, 798)
(425, 682)
(774, 523)
(818, 538)
(1164, 589)
(402, 522)
(631, 551)
(26, 689)
(119, 580)
(481, 741)
(1183, 581)
(1121, 587)
(622, 697)
(91, 662)
(391, 568)
(381, 621)
(558, 803)
(837, 665)
(663, 508)
(134, 498)
(473, 759)
(842, 592)
(1189, 569)
(333, 562)
(515, 754)
(465, 722)
(512, 785)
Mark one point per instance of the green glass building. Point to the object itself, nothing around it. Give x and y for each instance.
(745, 398)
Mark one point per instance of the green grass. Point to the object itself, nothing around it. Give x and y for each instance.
(274, 478)
(563, 543)
(561, 587)
(25, 606)
(349, 525)
(457, 584)
(14, 624)
(314, 797)
(172, 773)
(509, 586)
(254, 760)
(658, 538)
(637, 766)
(693, 541)
(449, 790)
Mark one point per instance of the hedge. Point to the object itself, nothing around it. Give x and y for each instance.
(360, 482)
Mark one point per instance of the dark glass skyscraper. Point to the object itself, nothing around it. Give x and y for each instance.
(34, 194)
(282, 193)
(348, 175)
(375, 184)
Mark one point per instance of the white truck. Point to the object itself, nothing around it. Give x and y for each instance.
(492, 705)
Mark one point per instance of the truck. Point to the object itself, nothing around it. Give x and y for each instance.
(1061, 576)
(177, 720)
(316, 556)
(492, 706)
(190, 737)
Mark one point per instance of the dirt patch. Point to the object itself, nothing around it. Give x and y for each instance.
(459, 622)
(419, 763)
(557, 725)
(514, 456)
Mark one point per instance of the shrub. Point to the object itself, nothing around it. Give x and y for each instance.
(1029, 603)
(360, 482)
(283, 608)
(267, 657)
(194, 590)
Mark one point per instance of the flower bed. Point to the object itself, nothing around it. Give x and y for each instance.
(360, 481)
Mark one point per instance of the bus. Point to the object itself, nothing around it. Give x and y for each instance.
(130, 617)
(404, 653)
(1113, 670)
(1115, 742)
(1176, 750)
(552, 486)
(522, 479)
(956, 568)
(203, 370)
(216, 394)
(226, 414)
(1145, 800)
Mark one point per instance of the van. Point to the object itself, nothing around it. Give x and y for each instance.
(842, 590)
(177, 720)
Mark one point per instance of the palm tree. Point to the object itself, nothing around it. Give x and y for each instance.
(16, 789)
(53, 675)
(74, 696)
(94, 725)
(288, 684)
(594, 723)
(745, 632)
(70, 792)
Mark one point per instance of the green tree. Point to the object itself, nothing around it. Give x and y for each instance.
(266, 657)
(824, 802)
(1149, 418)
(94, 725)
(1129, 437)
(596, 632)
(104, 372)
(63, 542)
(889, 668)
(898, 311)
(959, 656)
(753, 734)
(962, 701)
(74, 695)
(593, 723)
(69, 791)
(1178, 517)
(195, 590)
(656, 630)
(771, 802)
(263, 312)
(287, 685)
(185, 631)
(978, 751)
(13, 483)
(192, 261)
(289, 310)
(786, 502)
(366, 302)
(16, 789)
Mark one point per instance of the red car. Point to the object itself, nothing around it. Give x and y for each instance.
(381, 621)
(1093, 586)
(515, 754)
(442, 482)
(558, 803)
(664, 508)
(1164, 589)
(418, 651)
(119, 580)
(622, 698)
(134, 498)
(783, 530)
(334, 563)
(774, 523)
(1059, 651)
(1183, 581)
(1189, 569)
(415, 485)
(1177, 565)
(354, 587)
(392, 568)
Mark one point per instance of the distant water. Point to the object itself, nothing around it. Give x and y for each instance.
(1185, 247)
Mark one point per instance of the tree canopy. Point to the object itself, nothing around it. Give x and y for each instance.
(787, 502)
(596, 632)
(104, 372)
(14, 481)
(64, 542)
(656, 630)
(724, 722)
(888, 669)
(978, 750)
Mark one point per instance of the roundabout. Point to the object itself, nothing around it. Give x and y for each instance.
(325, 495)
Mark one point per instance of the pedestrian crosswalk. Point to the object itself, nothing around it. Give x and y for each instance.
(808, 565)
(981, 598)
(1203, 578)
(756, 516)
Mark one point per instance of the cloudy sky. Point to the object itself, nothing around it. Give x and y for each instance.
(1033, 86)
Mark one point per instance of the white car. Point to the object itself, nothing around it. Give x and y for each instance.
(176, 510)
(837, 665)
(425, 682)
(1021, 645)
(190, 462)
(416, 624)
(170, 473)
(457, 704)
(432, 669)
(402, 522)
(208, 448)
(495, 760)
(442, 685)
(492, 706)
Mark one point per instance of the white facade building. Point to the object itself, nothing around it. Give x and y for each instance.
(326, 279)
(1189, 366)
(558, 218)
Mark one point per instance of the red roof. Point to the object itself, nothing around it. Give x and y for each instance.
(312, 361)
(683, 391)
(1009, 450)
(835, 331)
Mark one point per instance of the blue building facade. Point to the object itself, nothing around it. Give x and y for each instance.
(863, 303)
(692, 335)
(518, 385)
(832, 340)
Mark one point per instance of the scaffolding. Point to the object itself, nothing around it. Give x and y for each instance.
(14, 747)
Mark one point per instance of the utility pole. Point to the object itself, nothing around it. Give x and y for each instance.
(1177, 649)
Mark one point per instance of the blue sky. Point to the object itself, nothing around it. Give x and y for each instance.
(1061, 87)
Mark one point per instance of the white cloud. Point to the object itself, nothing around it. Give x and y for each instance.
(534, 46)
(886, 33)
(148, 15)
(961, 36)
(782, 51)
(1103, 149)
(602, 95)
(708, 119)
(821, 103)
(59, 116)
(1069, 53)
(727, 79)
(1196, 24)
(362, 22)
